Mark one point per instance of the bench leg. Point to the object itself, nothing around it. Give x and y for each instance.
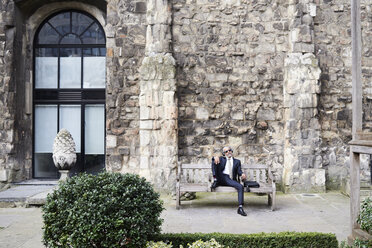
(269, 199)
(178, 198)
(273, 201)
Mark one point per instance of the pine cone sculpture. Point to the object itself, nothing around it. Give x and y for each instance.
(64, 152)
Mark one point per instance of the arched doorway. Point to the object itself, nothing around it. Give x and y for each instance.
(69, 90)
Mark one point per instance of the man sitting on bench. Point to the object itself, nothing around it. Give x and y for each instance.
(225, 171)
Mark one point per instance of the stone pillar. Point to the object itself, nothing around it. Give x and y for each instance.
(302, 160)
(158, 103)
(10, 170)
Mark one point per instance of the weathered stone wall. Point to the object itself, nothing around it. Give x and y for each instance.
(158, 102)
(8, 163)
(230, 73)
(246, 74)
(302, 161)
(126, 40)
(333, 49)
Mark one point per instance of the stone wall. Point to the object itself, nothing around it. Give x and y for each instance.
(333, 49)
(126, 40)
(230, 57)
(271, 78)
(9, 167)
(302, 161)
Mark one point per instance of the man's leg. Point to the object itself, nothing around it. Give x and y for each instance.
(229, 182)
(239, 188)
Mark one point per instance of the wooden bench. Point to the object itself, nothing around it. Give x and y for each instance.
(198, 178)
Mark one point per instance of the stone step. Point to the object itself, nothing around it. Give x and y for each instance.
(31, 192)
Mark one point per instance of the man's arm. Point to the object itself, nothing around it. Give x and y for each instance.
(214, 167)
(216, 159)
(240, 172)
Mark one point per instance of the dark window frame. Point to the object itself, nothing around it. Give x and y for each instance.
(67, 96)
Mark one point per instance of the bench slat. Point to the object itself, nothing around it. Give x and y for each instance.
(196, 166)
(208, 166)
(255, 166)
(193, 187)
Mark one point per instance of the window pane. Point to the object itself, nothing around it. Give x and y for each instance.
(45, 127)
(94, 164)
(70, 39)
(94, 68)
(46, 68)
(44, 165)
(70, 71)
(61, 22)
(48, 35)
(70, 119)
(94, 35)
(45, 132)
(80, 22)
(94, 129)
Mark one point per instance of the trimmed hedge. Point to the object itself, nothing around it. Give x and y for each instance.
(105, 210)
(264, 240)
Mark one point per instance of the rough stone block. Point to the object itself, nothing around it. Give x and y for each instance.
(146, 124)
(266, 114)
(202, 114)
(307, 100)
(3, 175)
(111, 141)
(140, 7)
(145, 113)
(145, 137)
(303, 47)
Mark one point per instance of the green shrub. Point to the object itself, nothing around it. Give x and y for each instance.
(205, 244)
(197, 244)
(264, 240)
(159, 244)
(106, 210)
(357, 244)
(365, 215)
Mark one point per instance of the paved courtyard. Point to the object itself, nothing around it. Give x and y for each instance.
(211, 212)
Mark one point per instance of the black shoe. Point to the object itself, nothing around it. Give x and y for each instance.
(241, 211)
(214, 185)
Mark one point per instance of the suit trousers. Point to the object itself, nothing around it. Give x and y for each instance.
(227, 181)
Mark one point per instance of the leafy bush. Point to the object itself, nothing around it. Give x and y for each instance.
(106, 210)
(264, 240)
(197, 244)
(365, 215)
(357, 244)
(205, 244)
(159, 244)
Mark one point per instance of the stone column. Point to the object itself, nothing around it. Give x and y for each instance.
(302, 161)
(158, 103)
(10, 169)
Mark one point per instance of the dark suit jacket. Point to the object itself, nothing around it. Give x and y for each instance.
(217, 169)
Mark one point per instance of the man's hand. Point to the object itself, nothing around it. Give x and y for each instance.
(243, 176)
(216, 159)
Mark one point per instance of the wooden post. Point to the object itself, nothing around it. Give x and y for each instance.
(356, 67)
(354, 189)
(357, 113)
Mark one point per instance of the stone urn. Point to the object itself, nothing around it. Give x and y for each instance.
(64, 153)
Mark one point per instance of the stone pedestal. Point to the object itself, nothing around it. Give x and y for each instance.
(64, 175)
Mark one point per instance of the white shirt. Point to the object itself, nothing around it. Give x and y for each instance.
(227, 169)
